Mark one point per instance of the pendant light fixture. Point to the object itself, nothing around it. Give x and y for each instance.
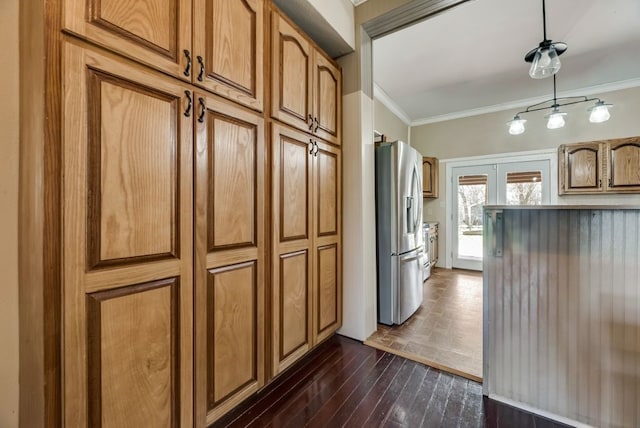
(545, 59)
(598, 113)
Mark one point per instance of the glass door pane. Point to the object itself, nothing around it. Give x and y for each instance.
(473, 187)
(524, 183)
(472, 196)
(524, 188)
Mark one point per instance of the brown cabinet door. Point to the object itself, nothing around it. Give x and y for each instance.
(154, 32)
(292, 252)
(229, 256)
(327, 99)
(228, 49)
(429, 177)
(580, 168)
(291, 75)
(127, 244)
(623, 165)
(327, 242)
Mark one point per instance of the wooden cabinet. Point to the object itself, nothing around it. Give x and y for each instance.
(127, 244)
(610, 166)
(168, 273)
(306, 289)
(228, 39)
(228, 49)
(230, 259)
(581, 167)
(154, 32)
(430, 177)
(327, 245)
(306, 87)
(623, 165)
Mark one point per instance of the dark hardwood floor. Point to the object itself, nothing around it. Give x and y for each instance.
(346, 383)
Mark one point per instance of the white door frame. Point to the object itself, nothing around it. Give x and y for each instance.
(534, 155)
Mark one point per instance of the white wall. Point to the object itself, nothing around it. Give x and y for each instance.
(338, 13)
(387, 123)
(9, 143)
(487, 134)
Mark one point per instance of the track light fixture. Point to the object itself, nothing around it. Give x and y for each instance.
(598, 113)
(545, 59)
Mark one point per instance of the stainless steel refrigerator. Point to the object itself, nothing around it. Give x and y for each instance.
(399, 231)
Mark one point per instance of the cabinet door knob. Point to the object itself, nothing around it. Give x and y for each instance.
(201, 73)
(315, 143)
(187, 112)
(310, 146)
(187, 69)
(315, 120)
(310, 122)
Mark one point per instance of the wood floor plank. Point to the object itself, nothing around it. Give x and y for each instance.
(455, 402)
(341, 406)
(373, 408)
(328, 389)
(417, 410)
(391, 395)
(346, 384)
(258, 404)
(472, 414)
(323, 380)
(397, 415)
(435, 409)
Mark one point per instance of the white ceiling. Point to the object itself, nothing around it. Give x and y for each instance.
(471, 59)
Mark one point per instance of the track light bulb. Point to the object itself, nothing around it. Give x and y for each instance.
(599, 112)
(556, 119)
(516, 126)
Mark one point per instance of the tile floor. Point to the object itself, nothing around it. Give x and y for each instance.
(446, 331)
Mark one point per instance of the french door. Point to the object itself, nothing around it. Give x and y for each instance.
(508, 183)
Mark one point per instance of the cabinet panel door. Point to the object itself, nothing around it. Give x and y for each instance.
(154, 32)
(328, 292)
(327, 99)
(292, 184)
(127, 244)
(230, 256)
(430, 177)
(581, 168)
(327, 190)
(327, 240)
(623, 158)
(292, 255)
(292, 308)
(133, 351)
(291, 74)
(228, 47)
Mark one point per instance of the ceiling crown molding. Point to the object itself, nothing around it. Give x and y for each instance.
(381, 95)
(590, 90)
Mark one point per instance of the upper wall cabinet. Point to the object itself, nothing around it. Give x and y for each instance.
(306, 86)
(228, 39)
(611, 166)
(580, 168)
(154, 32)
(623, 165)
(228, 43)
(429, 177)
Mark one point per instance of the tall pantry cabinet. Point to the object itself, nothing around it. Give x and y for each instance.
(180, 243)
(306, 195)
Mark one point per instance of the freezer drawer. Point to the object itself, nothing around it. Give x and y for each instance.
(410, 287)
